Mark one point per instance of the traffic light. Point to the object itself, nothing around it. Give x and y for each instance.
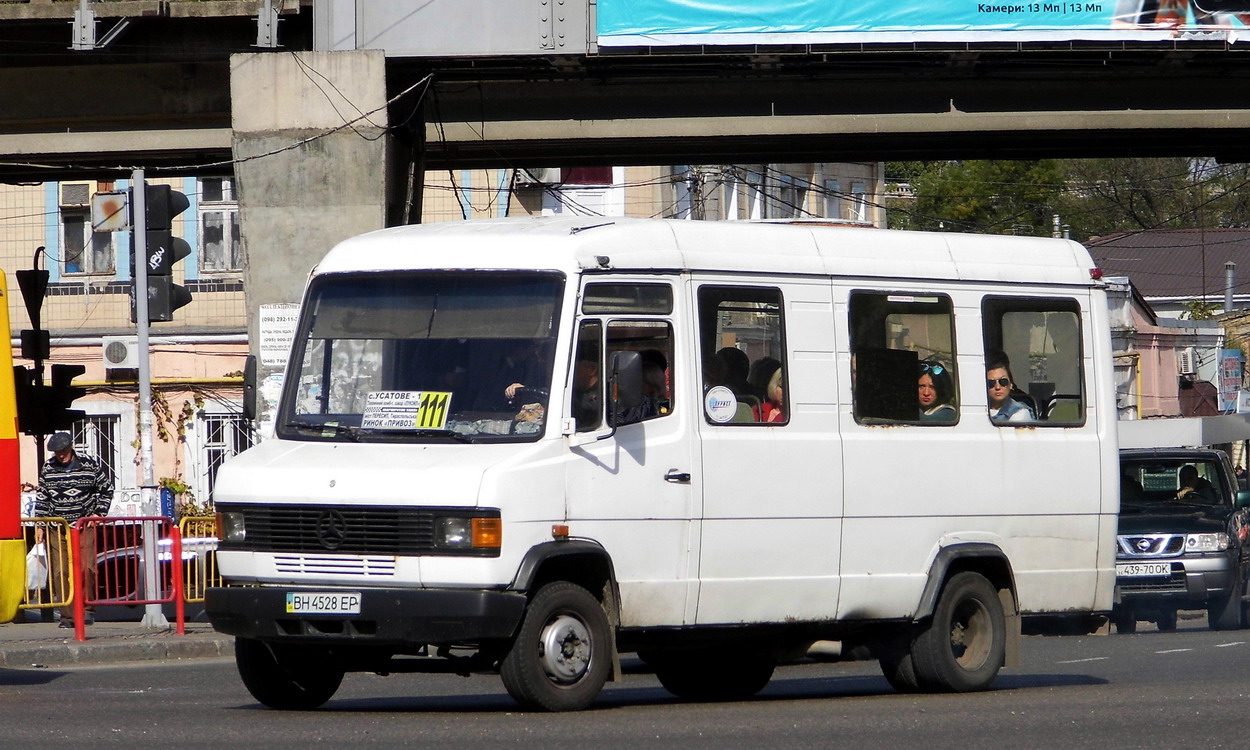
(61, 394)
(163, 251)
(44, 409)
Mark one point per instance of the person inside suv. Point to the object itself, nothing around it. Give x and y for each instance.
(1194, 487)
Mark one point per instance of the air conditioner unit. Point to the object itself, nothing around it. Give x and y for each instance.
(121, 352)
(544, 176)
(75, 193)
(1187, 361)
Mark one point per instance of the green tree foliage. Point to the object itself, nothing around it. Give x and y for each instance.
(981, 196)
(1092, 196)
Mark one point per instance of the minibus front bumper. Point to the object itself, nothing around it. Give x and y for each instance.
(392, 617)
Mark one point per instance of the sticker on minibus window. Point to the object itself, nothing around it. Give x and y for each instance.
(405, 410)
(720, 404)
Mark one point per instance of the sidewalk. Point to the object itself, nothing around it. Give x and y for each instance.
(32, 644)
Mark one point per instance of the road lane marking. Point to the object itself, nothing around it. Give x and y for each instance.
(1174, 651)
(1234, 643)
(1078, 661)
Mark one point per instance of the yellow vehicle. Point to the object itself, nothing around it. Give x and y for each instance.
(12, 545)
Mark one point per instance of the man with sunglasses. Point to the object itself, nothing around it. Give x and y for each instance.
(998, 384)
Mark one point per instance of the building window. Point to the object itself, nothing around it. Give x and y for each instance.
(859, 202)
(791, 197)
(221, 248)
(96, 435)
(833, 199)
(222, 436)
(82, 250)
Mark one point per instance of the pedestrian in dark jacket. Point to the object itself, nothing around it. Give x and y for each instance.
(71, 486)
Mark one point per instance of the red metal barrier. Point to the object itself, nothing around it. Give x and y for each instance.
(115, 550)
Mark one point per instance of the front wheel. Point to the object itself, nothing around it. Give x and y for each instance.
(560, 658)
(1224, 613)
(286, 678)
(962, 646)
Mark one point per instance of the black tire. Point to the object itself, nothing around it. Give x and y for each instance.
(561, 656)
(286, 678)
(961, 648)
(1166, 621)
(900, 672)
(714, 676)
(1225, 612)
(1125, 622)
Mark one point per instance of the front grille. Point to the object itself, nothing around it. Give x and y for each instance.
(345, 529)
(1151, 545)
(1175, 584)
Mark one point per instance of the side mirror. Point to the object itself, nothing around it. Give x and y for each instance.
(624, 386)
(626, 380)
(1243, 499)
(249, 388)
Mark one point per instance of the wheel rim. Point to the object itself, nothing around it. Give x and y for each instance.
(566, 649)
(971, 635)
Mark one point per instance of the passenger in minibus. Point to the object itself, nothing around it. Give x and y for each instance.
(998, 384)
(737, 372)
(654, 390)
(935, 391)
(587, 394)
(766, 376)
(713, 376)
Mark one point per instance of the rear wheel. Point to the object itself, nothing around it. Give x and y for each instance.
(286, 677)
(962, 646)
(560, 658)
(714, 676)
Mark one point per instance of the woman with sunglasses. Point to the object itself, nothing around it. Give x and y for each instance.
(936, 391)
(998, 384)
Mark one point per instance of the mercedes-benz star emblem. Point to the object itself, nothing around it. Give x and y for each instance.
(331, 529)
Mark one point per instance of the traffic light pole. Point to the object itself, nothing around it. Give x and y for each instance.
(153, 617)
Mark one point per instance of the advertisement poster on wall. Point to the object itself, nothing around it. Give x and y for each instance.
(752, 22)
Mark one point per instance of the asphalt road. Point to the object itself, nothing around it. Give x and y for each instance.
(1149, 690)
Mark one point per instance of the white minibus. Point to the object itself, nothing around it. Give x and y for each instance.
(529, 446)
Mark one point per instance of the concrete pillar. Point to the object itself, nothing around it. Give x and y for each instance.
(309, 169)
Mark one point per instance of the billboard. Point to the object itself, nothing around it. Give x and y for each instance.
(621, 23)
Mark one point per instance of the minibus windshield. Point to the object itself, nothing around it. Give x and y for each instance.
(423, 357)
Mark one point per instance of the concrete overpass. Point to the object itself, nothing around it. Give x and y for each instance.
(158, 95)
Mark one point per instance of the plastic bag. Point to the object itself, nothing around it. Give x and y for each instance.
(36, 568)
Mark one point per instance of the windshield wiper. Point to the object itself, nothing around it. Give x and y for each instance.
(333, 428)
(362, 432)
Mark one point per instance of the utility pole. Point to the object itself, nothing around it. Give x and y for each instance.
(153, 616)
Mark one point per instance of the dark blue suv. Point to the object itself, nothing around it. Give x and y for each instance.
(1183, 540)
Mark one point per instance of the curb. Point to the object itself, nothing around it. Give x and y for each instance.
(72, 652)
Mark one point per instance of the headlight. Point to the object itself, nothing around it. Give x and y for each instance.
(1206, 542)
(451, 532)
(230, 527)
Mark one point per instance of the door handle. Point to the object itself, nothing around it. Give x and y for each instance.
(681, 477)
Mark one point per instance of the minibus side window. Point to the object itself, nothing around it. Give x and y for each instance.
(1033, 353)
(743, 355)
(903, 358)
(587, 386)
